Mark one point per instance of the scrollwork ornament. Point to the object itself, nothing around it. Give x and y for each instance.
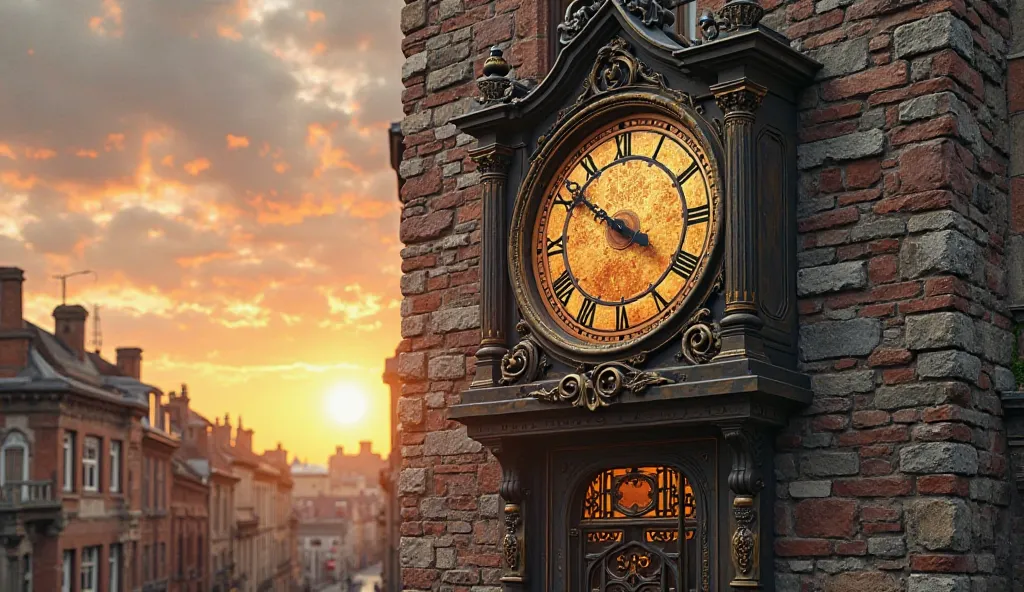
(616, 68)
(525, 363)
(702, 339)
(652, 13)
(600, 386)
(577, 15)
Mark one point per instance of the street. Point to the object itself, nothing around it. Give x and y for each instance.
(363, 581)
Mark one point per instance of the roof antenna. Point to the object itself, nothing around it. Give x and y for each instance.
(64, 282)
(97, 332)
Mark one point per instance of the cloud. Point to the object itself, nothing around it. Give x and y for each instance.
(221, 164)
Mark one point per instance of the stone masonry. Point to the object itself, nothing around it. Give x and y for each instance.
(895, 479)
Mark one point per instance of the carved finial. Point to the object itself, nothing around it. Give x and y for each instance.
(736, 15)
(495, 65)
(742, 14)
(495, 83)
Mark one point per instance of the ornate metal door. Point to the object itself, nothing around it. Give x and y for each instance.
(636, 531)
(635, 526)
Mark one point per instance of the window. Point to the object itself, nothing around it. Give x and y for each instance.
(163, 559)
(114, 569)
(181, 553)
(69, 460)
(686, 20)
(14, 461)
(90, 464)
(146, 575)
(115, 466)
(90, 559)
(66, 570)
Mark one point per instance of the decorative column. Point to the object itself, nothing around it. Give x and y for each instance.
(745, 483)
(492, 162)
(741, 324)
(513, 551)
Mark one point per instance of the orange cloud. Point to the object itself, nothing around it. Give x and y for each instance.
(237, 141)
(318, 137)
(228, 32)
(39, 153)
(281, 167)
(112, 14)
(194, 167)
(5, 150)
(15, 180)
(83, 153)
(114, 142)
(314, 16)
(319, 48)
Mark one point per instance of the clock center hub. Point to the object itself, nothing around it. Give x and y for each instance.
(615, 239)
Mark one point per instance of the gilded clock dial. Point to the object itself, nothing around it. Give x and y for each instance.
(623, 230)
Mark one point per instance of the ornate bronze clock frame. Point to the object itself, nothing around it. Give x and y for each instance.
(638, 235)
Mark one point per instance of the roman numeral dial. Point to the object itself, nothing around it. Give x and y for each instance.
(622, 229)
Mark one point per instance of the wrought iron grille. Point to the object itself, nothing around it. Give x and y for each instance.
(631, 523)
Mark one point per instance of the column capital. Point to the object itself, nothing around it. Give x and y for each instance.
(492, 159)
(739, 96)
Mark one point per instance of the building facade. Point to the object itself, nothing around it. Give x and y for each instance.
(897, 143)
(70, 509)
(190, 528)
(159, 444)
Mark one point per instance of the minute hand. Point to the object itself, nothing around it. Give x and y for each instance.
(617, 225)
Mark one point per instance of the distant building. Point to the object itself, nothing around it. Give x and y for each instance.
(390, 520)
(346, 469)
(338, 509)
(105, 486)
(159, 444)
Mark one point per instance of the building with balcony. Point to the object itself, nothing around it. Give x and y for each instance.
(71, 441)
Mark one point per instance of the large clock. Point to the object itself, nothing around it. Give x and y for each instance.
(616, 227)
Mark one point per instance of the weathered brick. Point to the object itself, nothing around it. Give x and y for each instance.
(825, 518)
(939, 457)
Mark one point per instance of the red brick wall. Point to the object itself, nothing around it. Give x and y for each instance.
(895, 479)
(897, 475)
(189, 523)
(46, 462)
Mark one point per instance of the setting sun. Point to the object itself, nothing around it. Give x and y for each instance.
(346, 403)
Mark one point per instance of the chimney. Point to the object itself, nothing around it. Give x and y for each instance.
(222, 432)
(243, 437)
(11, 279)
(70, 326)
(364, 448)
(14, 338)
(129, 361)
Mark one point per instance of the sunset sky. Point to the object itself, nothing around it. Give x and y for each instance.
(223, 166)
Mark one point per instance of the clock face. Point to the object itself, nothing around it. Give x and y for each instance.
(624, 230)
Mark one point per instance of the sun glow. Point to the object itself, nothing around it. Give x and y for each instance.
(347, 403)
